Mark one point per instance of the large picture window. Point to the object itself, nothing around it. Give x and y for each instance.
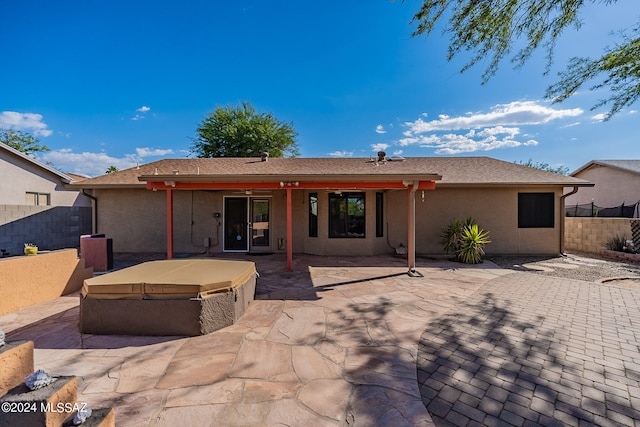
(347, 215)
(536, 210)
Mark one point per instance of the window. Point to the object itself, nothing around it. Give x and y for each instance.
(379, 215)
(346, 215)
(536, 210)
(313, 214)
(37, 199)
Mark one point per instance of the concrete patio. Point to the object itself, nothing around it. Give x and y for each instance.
(354, 341)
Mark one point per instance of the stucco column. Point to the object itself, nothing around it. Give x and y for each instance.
(411, 232)
(169, 224)
(289, 230)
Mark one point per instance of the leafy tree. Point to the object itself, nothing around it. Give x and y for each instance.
(240, 131)
(489, 29)
(111, 169)
(22, 141)
(562, 170)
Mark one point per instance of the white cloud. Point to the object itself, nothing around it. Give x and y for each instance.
(86, 163)
(94, 164)
(142, 110)
(485, 140)
(29, 122)
(599, 117)
(152, 152)
(380, 129)
(341, 154)
(379, 147)
(483, 131)
(513, 114)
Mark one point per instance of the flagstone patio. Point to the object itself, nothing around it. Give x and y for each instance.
(333, 343)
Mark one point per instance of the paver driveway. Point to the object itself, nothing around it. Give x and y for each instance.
(534, 350)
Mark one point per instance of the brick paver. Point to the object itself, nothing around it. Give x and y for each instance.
(527, 349)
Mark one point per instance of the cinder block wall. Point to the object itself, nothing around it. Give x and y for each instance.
(590, 234)
(48, 227)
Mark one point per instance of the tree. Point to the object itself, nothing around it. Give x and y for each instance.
(562, 170)
(240, 131)
(489, 29)
(22, 141)
(111, 169)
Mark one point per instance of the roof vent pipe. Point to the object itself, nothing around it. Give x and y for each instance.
(264, 156)
(381, 155)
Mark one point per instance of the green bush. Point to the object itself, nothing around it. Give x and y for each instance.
(465, 239)
(620, 243)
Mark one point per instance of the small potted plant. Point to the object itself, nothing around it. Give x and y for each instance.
(30, 249)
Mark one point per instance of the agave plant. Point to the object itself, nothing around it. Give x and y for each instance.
(473, 241)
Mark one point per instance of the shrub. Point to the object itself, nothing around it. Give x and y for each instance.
(620, 243)
(465, 239)
(473, 241)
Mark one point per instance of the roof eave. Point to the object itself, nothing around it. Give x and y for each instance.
(514, 184)
(290, 177)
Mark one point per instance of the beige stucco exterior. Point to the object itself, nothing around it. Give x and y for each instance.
(21, 175)
(613, 186)
(29, 280)
(136, 220)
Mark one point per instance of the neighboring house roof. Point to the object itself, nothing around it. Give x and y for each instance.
(64, 177)
(632, 166)
(448, 171)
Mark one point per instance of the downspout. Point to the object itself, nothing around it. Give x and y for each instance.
(563, 214)
(94, 220)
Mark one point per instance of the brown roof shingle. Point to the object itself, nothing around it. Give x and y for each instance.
(455, 171)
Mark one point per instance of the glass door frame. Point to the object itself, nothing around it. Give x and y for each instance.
(248, 226)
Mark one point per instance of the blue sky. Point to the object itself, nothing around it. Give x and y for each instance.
(116, 82)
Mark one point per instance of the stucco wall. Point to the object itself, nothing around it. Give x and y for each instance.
(29, 280)
(494, 209)
(136, 220)
(20, 176)
(612, 187)
(589, 234)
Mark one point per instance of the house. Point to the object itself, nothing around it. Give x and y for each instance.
(37, 207)
(328, 206)
(616, 182)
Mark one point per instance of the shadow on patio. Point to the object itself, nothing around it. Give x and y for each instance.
(528, 350)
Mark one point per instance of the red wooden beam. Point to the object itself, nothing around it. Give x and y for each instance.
(289, 230)
(299, 185)
(169, 224)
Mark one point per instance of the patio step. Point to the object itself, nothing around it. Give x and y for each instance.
(51, 406)
(16, 362)
(41, 407)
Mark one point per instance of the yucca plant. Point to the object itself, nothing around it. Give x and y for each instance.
(473, 241)
(465, 239)
(451, 237)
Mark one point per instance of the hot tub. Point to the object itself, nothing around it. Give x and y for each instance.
(173, 297)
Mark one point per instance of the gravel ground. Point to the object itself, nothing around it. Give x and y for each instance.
(575, 266)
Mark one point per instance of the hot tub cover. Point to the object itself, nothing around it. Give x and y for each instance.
(184, 278)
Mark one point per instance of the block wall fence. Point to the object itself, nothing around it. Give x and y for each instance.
(48, 227)
(590, 234)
